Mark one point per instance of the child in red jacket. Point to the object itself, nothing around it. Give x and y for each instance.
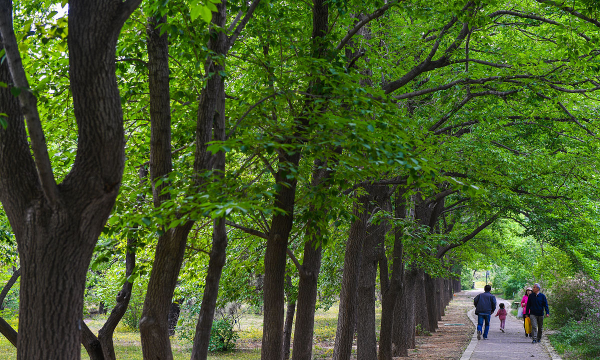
(501, 314)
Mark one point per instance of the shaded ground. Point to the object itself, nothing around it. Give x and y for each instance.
(448, 342)
(453, 335)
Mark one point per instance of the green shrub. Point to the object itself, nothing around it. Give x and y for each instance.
(566, 299)
(222, 335)
(582, 338)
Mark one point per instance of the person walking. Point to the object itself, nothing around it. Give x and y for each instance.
(501, 314)
(485, 305)
(528, 291)
(536, 304)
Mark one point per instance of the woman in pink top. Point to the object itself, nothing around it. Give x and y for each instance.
(501, 314)
(524, 306)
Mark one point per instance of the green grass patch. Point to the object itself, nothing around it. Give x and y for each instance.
(577, 340)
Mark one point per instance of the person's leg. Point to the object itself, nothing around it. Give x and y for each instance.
(534, 326)
(502, 322)
(479, 326)
(540, 323)
(487, 326)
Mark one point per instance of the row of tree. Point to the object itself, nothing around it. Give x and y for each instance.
(402, 129)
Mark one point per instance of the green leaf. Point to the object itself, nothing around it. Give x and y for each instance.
(3, 84)
(146, 220)
(15, 91)
(202, 11)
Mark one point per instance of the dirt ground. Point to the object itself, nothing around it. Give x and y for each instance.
(450, 339)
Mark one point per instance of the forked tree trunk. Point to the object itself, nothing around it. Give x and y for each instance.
(281, 224)
(57, 227)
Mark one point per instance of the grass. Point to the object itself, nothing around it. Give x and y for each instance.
(128, 345)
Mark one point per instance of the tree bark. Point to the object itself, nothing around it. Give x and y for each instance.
(309, 275)
(431, 303)
(57, 227)
(373, 249)
(281, 225)
(213, 114)
(421, 316)
(405, 309)
(352, 263)
(390, 297)
(154, 324)
(289, 320)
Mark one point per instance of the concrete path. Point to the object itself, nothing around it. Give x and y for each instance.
(510, 345)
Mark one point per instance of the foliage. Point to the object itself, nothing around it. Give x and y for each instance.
(578, 340)
(566, 299)
(222, 335)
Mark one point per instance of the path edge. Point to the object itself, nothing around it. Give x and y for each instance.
(473, 344)
(546, 342)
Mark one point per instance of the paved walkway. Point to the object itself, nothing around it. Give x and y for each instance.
(510, 345)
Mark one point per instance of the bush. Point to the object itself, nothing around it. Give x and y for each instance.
(222, 336)
(566, 297)
(581, 338)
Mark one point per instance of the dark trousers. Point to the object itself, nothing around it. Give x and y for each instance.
(537, 323)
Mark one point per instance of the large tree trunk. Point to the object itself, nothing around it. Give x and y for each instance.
(154, 324)
(214, 112)
(395, 289)
(57, 227)
(431, 300)
(373, 250)
(352, 263)
(421, 315)
(404, 316)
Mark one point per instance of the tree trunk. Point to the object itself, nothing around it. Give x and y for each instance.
(105, 334)
(352, 263)
(431, 300)
(289, 320)
(307, 286)
(57, 227)
(421, 318)
(154, 324)
(395, 288)
(404, 312)
(281, 225)
(212, 111)
(373, 249)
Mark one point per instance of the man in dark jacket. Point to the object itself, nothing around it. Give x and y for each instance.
(536, 304)
(485, 305)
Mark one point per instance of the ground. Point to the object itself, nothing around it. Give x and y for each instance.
(448, 342)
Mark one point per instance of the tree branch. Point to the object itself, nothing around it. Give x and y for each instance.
(246, 229)
(8, 286)
(8, 332)
(300, 268)
(28, 104)
(446, 248)
(242, 24)
(571, 11)
(516, 152)
(376, 14)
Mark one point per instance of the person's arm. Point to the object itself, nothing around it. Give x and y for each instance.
(546, 306)
(493, 303)
(476, 300)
